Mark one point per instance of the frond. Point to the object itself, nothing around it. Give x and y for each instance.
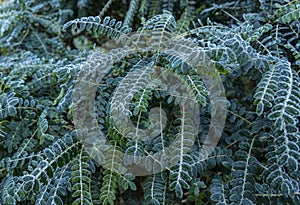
(109, 27)
(265, 93)
(53, 163)
(138, 79)
(163, 22)
(7, 194)
(243, 177)
(144, 8)
(219, 190)
(53, 192)
(187, 16)
(180, 171)
(287, 98)
(133, 8)
(18, 22)
(81, 179)
(154, 8)
(283, 156)
(108, 190)
(155, 190)
(105, 8)
(220, 157)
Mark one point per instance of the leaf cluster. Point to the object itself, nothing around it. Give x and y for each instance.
(48, 48)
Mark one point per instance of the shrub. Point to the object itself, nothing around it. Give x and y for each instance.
(50, 48)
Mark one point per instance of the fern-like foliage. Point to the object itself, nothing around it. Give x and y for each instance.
(18, 22)
(108, 27)
(152, 105)
(156, 190)
(81, 180)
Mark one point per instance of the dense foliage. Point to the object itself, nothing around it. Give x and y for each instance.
(255, 47)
